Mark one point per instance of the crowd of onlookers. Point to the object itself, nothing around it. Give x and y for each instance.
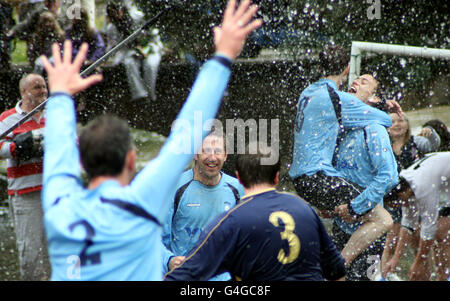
(40, 23)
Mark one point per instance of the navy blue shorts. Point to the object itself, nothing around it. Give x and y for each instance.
(325, 192)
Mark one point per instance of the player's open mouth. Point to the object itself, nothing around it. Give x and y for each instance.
(352, 90)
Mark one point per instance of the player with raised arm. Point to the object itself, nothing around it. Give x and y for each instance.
(111, 229)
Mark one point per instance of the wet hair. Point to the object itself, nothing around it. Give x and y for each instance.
(442, 130)
(104, 144)
(392, 195)
(125, 25)
(251, 171)
(333, 60)
(81, 28)
(408, 134)
(49, 2)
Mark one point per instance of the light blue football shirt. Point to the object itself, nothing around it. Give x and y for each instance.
(114, 232)
(317, 128)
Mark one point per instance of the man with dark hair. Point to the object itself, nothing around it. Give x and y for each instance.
(364, 157)
(202, 193)
(23, 152)
(333, 60)
(425, 194)
(111, 229)
(323, 114)
(268, 236)
(117, 144)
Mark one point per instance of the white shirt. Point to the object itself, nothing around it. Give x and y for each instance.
(429, 179)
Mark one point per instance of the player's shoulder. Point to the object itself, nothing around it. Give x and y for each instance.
(185, 178)
(346, 97)
(291, 196)
(376, 129)
(230, 180)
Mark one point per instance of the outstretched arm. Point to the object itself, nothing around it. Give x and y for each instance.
(202, 104)
(61, 157)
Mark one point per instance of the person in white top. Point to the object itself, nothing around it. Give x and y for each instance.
(425, 192)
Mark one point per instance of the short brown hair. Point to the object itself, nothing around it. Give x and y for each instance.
(250, 169)
(104, 144)
(333, 60)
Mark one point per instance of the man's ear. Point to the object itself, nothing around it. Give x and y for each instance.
(130, 160)
(237, 176)
(277, 178)
(347, 70)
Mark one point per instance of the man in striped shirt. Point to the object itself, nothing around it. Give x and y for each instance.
(24, 169)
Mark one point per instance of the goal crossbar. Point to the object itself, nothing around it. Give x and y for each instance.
(359, 47)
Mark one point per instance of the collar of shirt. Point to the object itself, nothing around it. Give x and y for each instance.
(20, 111)
(330, 82)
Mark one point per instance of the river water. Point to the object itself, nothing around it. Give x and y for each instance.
(148, 145)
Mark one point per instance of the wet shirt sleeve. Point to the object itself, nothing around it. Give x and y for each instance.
(384, 165)
(62, 170)
(356, 114)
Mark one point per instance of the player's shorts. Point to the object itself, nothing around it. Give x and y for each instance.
(325, 192)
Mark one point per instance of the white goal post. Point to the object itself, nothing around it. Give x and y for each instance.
(359, 47)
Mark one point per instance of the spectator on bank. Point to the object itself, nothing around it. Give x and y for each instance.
(81, 31)
(26, 29)
(47, 32)
(26, 8)
(121, 25)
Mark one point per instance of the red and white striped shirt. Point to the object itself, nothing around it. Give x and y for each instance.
(26, 177)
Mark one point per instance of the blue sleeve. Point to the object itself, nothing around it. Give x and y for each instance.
(357, 114)
(62, 170)
(166, 256)
(154, 183)
(167, 226)
(428, 144)
(207, 257)
(384, 163)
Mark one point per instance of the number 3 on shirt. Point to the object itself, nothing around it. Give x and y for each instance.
(287, 234)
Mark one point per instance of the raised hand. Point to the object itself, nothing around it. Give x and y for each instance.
(64, 75)
(394, 107)
(237, 24)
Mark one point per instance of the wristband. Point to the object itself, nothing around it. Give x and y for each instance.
(223, 59)
(352, 212)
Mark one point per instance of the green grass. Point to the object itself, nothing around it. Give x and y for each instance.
(19, 54)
